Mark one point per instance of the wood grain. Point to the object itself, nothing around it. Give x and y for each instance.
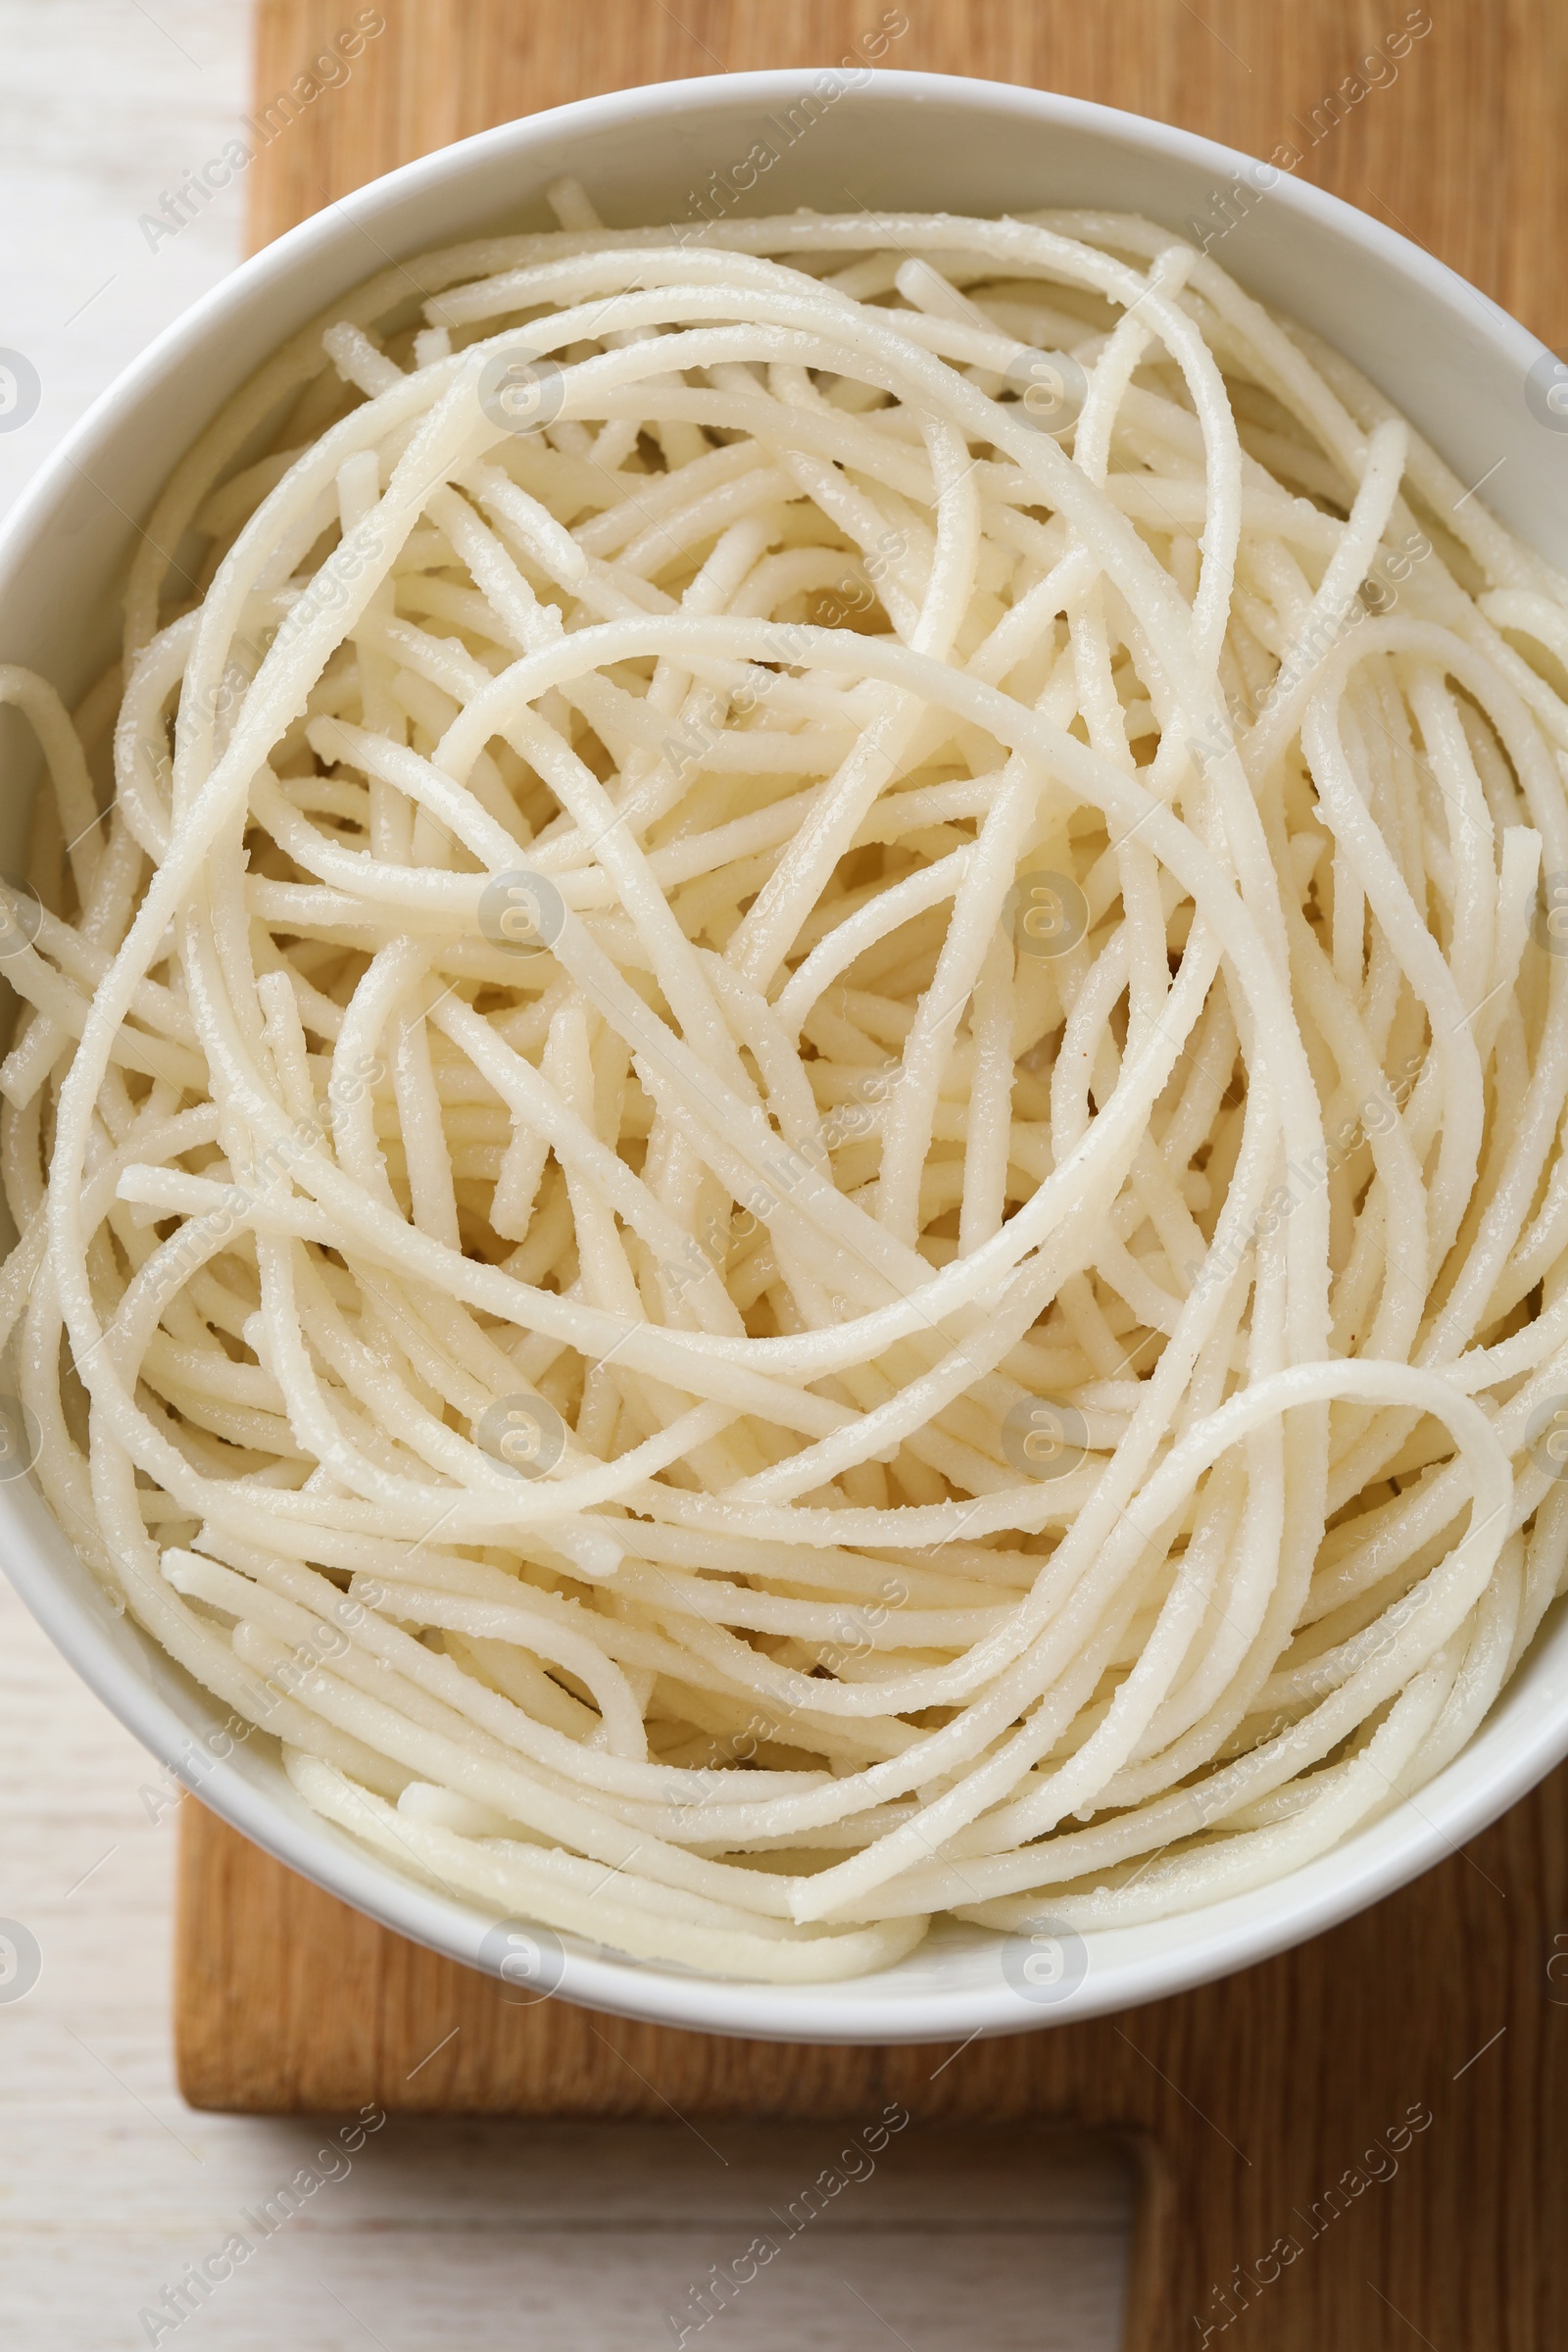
(1269, 2108)
(1263, 2104)
(1463, 151)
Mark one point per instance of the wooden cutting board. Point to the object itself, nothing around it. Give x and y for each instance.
(1358, 2146)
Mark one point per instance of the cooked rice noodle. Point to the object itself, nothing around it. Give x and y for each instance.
(790, 1161)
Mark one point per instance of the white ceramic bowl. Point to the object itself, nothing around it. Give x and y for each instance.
(1454, 362)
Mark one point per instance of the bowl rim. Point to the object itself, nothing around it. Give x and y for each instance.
(1471, 1792)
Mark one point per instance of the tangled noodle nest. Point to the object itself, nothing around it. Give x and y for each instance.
(760, 1170)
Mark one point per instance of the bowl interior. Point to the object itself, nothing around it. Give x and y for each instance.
(1451, 360)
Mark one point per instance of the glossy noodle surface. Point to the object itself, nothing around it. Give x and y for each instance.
(790, 1158)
